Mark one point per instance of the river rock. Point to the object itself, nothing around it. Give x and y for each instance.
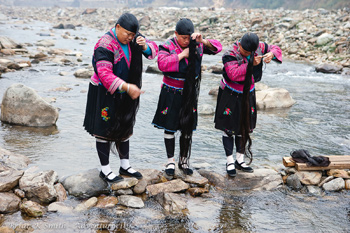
(261, 86)
(23, 106)
(294, 182)
(324, 39)
(197, 191)
(195, 178)
(32, 209)
(7, 43)
(214, 91)
(150, 176)
(338, 173)
(329, 68)
(309, 177)
(260, 179)
(61, 192)
(213, 178)
(89, 11)
(85, 184)
(131, 201)
(84, 73)
(106, 201)
(334, 185)
(176, 185)
(5, 229)
(206, 109)
(9, 178)
(9, 203)
(153, 68)
(172, 203)
(60, 207)
(20, 193)
(125, 184)
(347, 184)
(145, 21)
(216, 69)
(314, 190)
(39, 186)
(140, 187)
(86, 205)
(7, 52)
(273, 98)
(45, 43)
(327, 179)
(123, 192)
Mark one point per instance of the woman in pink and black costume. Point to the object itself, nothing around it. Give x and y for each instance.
(236, 111)
(114, 91)
(180, 61)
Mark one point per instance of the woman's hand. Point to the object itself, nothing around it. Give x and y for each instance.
(198, 37)
(132, 90)
(257, 60)
(184, 54)
(142, 42)
(268, 57)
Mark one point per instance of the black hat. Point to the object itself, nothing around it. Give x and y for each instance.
(129, 22)
(250, 41)
(184, 27)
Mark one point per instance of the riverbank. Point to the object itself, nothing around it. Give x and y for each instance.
(316, 36)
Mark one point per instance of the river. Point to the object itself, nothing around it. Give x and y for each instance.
(318, 122)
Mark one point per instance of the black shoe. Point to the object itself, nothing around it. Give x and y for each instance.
(125, 172)
(232, 172)
(186, 170)
(114, 180)
(245, 169)
(170, 171)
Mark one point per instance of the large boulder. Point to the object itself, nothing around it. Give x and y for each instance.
(273, 98)
(329, 69)
(21, 105)
(39, 186)
(85, 184)
(84, 73)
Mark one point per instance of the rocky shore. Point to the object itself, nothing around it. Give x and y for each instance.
(31, 192)
(317, 36)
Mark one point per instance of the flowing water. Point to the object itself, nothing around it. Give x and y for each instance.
(318, 122)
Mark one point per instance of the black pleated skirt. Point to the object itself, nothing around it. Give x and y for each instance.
(168, 109)
(228, 111)
(100, 111)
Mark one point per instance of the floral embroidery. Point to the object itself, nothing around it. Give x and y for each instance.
(227, 112)
(194, 110)
(104, 114)
(165, 111)
(253, 110)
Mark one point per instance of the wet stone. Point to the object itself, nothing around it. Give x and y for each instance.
(106, 201)
(32, 209)
(88, 204)
(131, 201)
(125, 184)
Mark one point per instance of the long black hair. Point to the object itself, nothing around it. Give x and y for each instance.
(189, 104)
(126, 114)
(250, 43)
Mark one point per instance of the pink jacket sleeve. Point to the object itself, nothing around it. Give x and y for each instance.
(167, 62)
(276, 51)
(234, 71)
(108, 79)
(154, 48)
(216, 44)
